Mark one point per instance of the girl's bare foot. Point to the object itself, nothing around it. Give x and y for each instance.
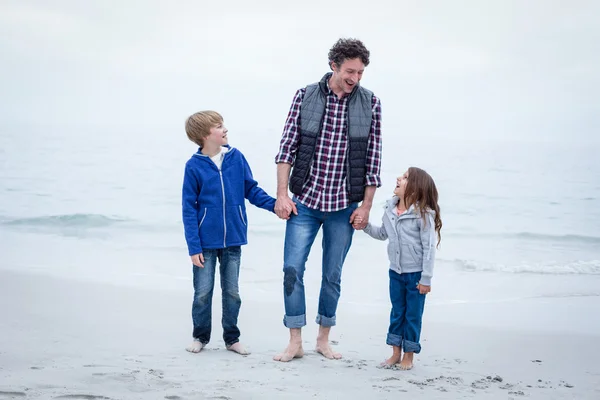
(238, 348)
(407, 361)
(195, 347)
(294, 350)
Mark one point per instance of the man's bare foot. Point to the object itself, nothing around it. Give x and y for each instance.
(407, 361)
(195, 347)
(238, 348)
(326, 351)
(294, 350)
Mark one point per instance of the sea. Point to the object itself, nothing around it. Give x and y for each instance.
(104, 204)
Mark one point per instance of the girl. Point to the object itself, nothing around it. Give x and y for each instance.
(411, 221)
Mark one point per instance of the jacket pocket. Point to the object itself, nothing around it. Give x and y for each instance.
(236, 225)
(407, 257)
(242, 216)
(417, 255)
(203, 217)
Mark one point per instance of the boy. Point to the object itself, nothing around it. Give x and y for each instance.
(216, 182)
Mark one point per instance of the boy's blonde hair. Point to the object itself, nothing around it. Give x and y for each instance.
(197, 126)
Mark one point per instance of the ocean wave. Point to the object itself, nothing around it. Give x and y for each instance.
(79, 221)
(572, 268)
(539, 237)
(567, 238)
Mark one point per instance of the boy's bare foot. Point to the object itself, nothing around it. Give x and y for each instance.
(393, 360)
(238, 348)
(195, 347)
(390, 362)
(294, 350)
(326, 351)
(407, 361)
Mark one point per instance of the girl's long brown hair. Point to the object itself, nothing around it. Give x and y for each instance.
(421, 191)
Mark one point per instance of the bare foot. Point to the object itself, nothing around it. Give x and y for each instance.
(294, 350)
(238, 348)
(407, 361)
(390, 362)
(325, 349)
(195, 347)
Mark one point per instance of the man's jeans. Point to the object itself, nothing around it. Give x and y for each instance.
(407, 311)
(300, 234)
(204, 282)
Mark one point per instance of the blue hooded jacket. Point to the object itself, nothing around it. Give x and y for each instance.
(213, 201)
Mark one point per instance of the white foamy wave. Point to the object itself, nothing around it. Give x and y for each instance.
(576, 267)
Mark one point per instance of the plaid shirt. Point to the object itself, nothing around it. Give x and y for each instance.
(326, 188)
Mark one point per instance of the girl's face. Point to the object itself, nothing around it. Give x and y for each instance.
(401, 182)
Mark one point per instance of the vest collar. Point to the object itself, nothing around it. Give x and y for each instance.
(325, 89)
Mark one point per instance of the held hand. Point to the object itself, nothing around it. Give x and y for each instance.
(284, 206)
(360, 218)
(198, 260)
(423, 289)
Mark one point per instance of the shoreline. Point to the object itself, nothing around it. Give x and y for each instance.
(65, 337)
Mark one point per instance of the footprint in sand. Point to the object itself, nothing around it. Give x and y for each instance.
(157, 373)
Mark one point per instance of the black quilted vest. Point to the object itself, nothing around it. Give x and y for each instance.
(358, 127)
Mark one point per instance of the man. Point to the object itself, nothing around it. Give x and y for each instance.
(332, 138)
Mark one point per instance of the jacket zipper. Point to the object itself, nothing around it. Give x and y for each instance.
(224, 219)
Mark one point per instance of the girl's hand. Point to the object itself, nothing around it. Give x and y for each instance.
(423, 289)
(198, 260)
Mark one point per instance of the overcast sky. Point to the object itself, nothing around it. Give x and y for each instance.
(443, 69)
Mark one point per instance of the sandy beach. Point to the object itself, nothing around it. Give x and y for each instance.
(71, 337)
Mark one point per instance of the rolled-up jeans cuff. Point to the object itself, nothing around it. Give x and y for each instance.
(393, 340)
(296, 321)
(411, 347)
(325, 321)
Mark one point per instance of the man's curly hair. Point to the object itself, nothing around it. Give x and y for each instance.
(348, 49)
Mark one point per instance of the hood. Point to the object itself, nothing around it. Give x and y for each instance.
(413, 209)
(199, 152)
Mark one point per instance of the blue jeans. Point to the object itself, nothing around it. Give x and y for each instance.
(407, 311)
(300, 234)
(204, 282)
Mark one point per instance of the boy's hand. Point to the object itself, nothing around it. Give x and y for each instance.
(284, 206)
(198, 260)
(423, 289)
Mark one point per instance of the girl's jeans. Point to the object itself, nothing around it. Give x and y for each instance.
(407, 311)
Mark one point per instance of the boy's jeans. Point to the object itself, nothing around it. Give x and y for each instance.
(407, 311)
(300, 234)
(204, 282)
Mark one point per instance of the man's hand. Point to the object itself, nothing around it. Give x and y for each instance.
(284, 206)
(360, 217)
(423, 289)
(198, 260)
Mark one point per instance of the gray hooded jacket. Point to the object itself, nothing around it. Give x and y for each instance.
(412, 240)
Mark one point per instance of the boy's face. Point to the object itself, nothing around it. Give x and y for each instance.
(401, 182)
(218, 135)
